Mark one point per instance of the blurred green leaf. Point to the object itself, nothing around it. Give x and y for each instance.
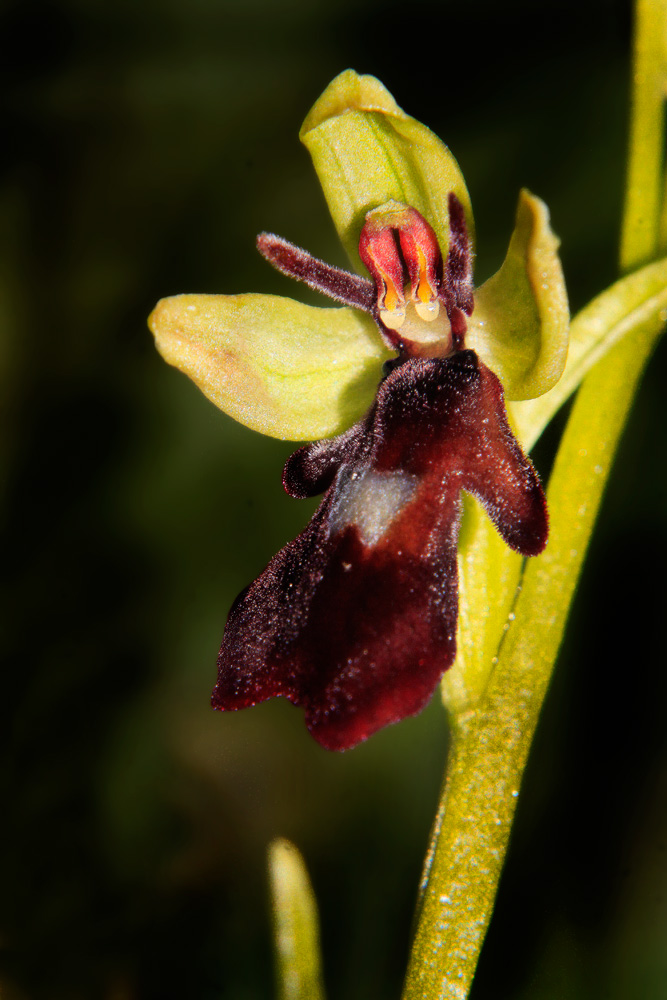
(295, 922)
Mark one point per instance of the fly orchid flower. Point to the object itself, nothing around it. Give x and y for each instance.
(355, 620)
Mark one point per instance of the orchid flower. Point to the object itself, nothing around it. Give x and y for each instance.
(406, 384)
(356, 619)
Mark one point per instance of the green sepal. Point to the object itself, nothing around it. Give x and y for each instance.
(489, 572)
(295, 925)
(367, 151)
(520, 323)
(285, 369)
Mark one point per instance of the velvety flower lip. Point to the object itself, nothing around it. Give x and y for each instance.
(355, 620)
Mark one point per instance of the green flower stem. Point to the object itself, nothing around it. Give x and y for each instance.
(490, 744)
(644, 231)
(490, 739)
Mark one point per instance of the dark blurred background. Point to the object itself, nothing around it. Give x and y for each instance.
(144, 146)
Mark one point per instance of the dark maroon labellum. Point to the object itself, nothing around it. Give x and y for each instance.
(355, 620)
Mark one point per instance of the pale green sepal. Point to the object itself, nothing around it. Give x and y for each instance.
(285, 369)
(489, 573)
(637, 302)
(295, 925)
(520, 323)
(367, 151)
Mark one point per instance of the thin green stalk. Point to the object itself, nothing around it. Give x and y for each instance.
(490, 744)
(644, 229)
(491, 740)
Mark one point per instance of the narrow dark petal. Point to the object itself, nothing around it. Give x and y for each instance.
(459, 328)
(504, 479)
(355, 620)
(311, 470)
(350, 289)
(458, 268)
